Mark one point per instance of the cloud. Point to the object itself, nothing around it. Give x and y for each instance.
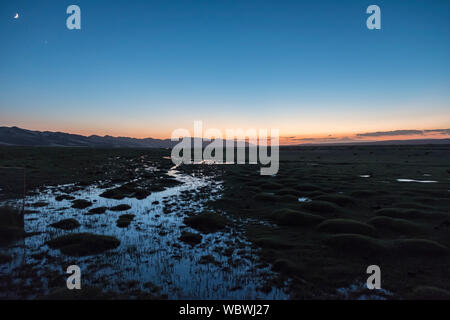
(404, 133)
(390, 133)
(438, 131)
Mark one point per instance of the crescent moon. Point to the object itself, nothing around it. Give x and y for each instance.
(16, 16)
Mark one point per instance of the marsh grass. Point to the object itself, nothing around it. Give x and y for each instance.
(369, 220)
(11, 225)
(83, 244)
(206, 222)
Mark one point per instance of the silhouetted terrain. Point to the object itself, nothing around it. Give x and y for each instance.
(14, 136)
(23, 137)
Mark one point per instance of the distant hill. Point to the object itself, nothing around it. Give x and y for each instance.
(22, 137)
(15, 136)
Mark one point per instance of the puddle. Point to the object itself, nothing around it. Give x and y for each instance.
(304, 199)
(420, 181)
(149, 249)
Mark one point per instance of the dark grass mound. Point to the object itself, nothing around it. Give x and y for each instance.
(321, 207)
(208, 259)
(295, 218)
(190, 238)
(128, 190)
(271, 186)
(66, 224)
(346, 226)
(4, 258)
(363, 193)
(206, 222)
(11, 225)
(356, 244)
(420, 247)
(81, 204)
(64, 197)
(39, 204)
(306, 187)
(290, 192)
(287, 267)
(398, 226)
(125, 220)
(266, 197)
(429, 293)
(273, 243)
(98, 210)
(408, 213)
(83, 244)
(120, 207)
(338, 199)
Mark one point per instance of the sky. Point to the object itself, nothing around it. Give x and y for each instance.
(311, 69)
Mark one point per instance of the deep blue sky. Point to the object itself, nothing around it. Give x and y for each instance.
(144, 68)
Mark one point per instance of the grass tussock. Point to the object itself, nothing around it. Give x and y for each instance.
(295, 218)
(83, 244)
(322, 207)
(190, 238)
(346, 226)
(338, 199)
(398, 226)
(81, 204)
(66, 224)
(206, 222)
(356, 244)
(124, 220)
(11, 225)
(120, 207)
(429, 293)
(420, 247)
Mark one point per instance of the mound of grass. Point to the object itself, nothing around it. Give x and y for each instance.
(206, 222)
(64, 197)
(265, 197)
(208, 259)
(363, 193)
(39, 204)
(120, 207)
(98, 210)
(429, 293)
(81, 204)
(272, 243)
(190, 238)
(306, 187)
(356, 244)
(271, 186)
(420, 247)
(128, 190)
(285, 192)
(66, 224)
(404, 213)
(83, 244)
(11, 225)
(346, 226)
(338, 199)
(286, 266)
(295, 218)
(323, 207)
(125, 220)
(4, 258)
(400, 226)
(288, 198)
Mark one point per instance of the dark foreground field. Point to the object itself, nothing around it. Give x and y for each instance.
(140, 229)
